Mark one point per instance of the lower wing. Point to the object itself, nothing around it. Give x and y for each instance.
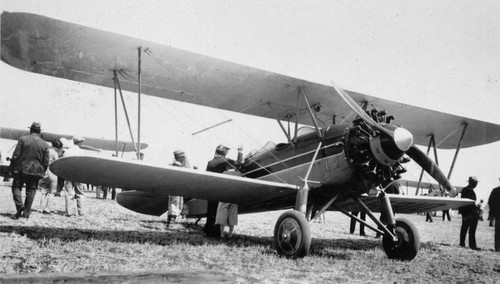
(158, 181)
(406, 204)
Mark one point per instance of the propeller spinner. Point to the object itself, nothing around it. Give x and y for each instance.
(388, 144)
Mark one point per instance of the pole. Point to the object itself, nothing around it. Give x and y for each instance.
(139, 104)
(116, 114)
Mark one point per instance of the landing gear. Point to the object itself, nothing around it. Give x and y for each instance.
(292, 236)
(406, 244)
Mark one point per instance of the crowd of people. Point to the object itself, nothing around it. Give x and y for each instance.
(32, 156)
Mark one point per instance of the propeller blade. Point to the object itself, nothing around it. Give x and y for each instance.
(360, 112)
(431, 168)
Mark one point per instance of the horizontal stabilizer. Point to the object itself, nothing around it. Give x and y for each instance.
(143, 202)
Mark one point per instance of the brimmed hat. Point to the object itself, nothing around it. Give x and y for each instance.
(36, 127)
(179, 153)
(221, 149)
(472, 179)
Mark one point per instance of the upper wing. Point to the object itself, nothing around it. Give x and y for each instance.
(103, 144)
(47, 46)
(407, 204)
(163, 181)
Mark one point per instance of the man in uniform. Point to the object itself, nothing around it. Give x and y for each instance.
(219, 164)
(470, 215)
(28, 165)
(494, 203)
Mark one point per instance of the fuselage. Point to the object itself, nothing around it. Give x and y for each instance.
(288, 163)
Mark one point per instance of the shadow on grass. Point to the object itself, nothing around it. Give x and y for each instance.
(191, 234)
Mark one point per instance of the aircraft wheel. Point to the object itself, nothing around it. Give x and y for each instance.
(407, 242)
(292, 235)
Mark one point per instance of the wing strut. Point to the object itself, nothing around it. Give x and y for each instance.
(458, 149)
(432, 142)
(303, 192)
(378, 231)
(117, 84)
(309, 108)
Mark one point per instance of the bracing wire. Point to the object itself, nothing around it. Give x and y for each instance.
(210, 103)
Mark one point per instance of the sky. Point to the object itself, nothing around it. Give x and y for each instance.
(441, 55)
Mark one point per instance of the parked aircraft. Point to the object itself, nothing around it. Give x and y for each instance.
(351, 148)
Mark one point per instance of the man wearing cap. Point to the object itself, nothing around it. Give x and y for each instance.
(28, 165)
(470, 215)
(175, 203)
(494, 203)
(219, 164)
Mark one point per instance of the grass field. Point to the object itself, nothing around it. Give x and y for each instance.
(113, 239)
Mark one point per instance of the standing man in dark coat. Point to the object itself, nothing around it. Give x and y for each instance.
(494, 203)
(470, 215)
(219, 164)
(28, 165)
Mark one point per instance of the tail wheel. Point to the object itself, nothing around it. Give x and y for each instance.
(292, 236)
(407, 242)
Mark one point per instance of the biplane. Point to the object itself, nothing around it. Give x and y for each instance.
(341, 146)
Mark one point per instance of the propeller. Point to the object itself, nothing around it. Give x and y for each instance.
(432, 168)
(393, 142)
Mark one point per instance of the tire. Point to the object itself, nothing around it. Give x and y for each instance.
(292, 235)
(407, 242)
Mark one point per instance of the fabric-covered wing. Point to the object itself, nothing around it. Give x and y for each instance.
(424, 184)
(103, 144)
(51, 47)
(160, 182)
(406, 204)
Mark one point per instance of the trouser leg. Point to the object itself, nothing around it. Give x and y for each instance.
(48, 201)
(222, 229)
(17, 185)
(472, 232)
(211, 229)
(497, 234)
(52, 191)
(79, 196)
(69, 192)
(104, 192)
(31, 187)
(352, 228)
(463, 231)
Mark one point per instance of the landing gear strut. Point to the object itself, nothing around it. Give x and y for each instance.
(292, 236)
